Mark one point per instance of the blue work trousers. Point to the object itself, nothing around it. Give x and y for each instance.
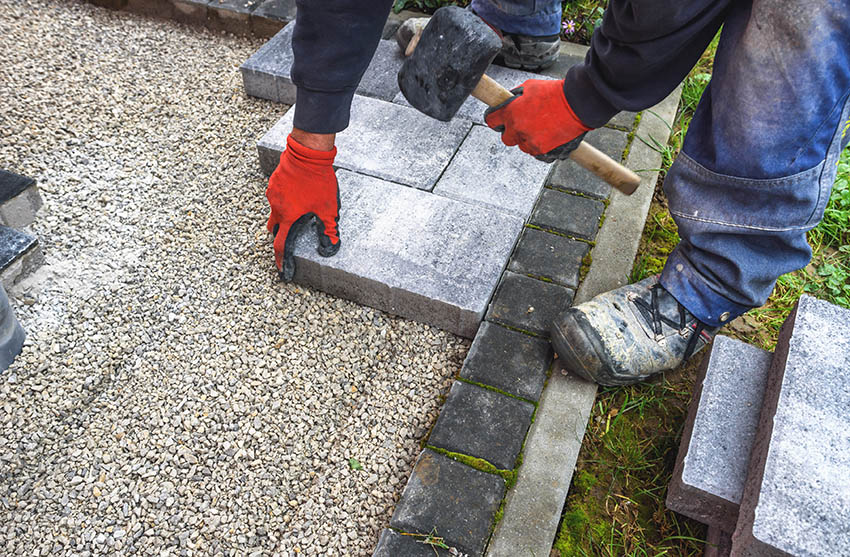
(535, 18)
(760, 156)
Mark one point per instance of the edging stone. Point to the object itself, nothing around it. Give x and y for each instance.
(451, 500)
(483, 424)
(528, 304)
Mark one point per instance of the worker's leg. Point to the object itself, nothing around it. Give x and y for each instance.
(754, 175)
(760, 155)
(530, 30)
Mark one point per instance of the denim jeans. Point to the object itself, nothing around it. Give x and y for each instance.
(523, 17)
(760, 156)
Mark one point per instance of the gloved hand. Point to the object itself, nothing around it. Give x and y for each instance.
(539, 120)
(303, 186)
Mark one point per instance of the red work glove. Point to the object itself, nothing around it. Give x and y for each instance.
(302, 187)
(539, 120)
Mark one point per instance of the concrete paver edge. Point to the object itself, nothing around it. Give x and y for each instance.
(533, 507)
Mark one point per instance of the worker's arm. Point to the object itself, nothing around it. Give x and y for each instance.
(642, 51)
(333, 43)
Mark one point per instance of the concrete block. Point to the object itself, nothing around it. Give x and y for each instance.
(450, 500)
(11, 333)
(623, 120)
(384, 140)
(273, 63)
(472, 108)
(797, 497)
(263, 73)
(486, 172)
(483, 424)
(20, 254)
(393, 544)
(714, 453)
(568, 214)
(190, 11)
(19, 200)
(513, 362)
(528, 304)
(411, 253)
(569, 176)
(547, 255)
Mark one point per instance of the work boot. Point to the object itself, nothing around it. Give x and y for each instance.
(532, 54)
(628, 334)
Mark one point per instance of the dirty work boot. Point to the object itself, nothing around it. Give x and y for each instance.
(625, 335)
(532, 54)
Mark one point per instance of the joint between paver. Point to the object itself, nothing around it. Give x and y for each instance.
(605, 200)
(591, 243)
(514, 328)
(631, 136)
(496, 390)
(477, 463)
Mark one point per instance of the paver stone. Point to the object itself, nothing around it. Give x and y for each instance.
(551, 256)
(797, 496)
(528, 304)
(384, 140)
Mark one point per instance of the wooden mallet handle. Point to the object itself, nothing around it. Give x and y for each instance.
(587, 156)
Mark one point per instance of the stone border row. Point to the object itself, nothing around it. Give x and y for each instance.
(493, 433)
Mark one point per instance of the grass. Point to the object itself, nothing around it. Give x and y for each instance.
(615, 506)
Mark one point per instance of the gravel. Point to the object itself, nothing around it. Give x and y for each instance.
(173, 398)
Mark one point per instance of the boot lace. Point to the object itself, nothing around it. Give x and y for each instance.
(651, 312)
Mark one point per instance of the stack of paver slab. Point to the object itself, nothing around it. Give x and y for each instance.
(765, 455)
(19, 253)
(19, 250)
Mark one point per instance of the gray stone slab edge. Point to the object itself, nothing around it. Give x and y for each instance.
(533, 507)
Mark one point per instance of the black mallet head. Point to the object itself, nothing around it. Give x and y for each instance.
(454, 51)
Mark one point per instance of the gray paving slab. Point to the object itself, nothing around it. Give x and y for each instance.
(513, 362)
(528, 304)
(531, 515)
(797, 496)
(384, 140)
(485, 171)
(483, 424)
(551, 256)
(472, 108)
(411, 253)
(272, 63)
(451, 500)
(567, 214)
(714, 453)
(266, 73)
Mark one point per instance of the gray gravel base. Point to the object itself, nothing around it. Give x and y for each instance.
(173, 398)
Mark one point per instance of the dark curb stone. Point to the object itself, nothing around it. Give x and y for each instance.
(13, 244)
(393, 544)
(483, 424)
(570, 176)
(528, 304)
(513, 362)
(623, 120)
(568, 214)
(718, 543)
(548, 255)
(12, 184)
(271, 16)
(450, 500)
